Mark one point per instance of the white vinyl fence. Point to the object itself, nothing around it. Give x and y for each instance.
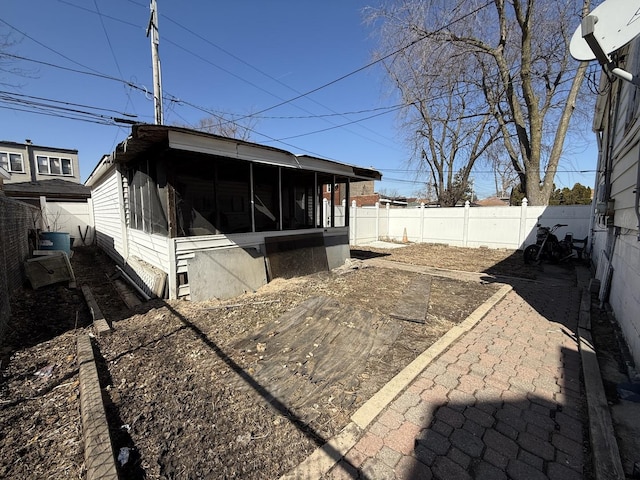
(492, 227)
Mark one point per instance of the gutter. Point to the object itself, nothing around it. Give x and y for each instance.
(99, 171)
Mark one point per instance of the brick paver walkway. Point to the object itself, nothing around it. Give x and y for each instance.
(504, 401)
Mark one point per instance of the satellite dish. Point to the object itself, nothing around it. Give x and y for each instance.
(617, 23)
(607, 28)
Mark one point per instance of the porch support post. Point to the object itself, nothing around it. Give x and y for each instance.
(280, 198)
(253, 201)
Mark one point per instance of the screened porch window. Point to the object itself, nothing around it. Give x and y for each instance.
(266, 197)
(212, 196)
(147, 200)
(215, 195)
(333, 193)
(297, 199)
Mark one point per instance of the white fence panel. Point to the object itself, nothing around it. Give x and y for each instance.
(73, 218)
(364, 224)
(406, 220)
(443, 225)
(493, 227)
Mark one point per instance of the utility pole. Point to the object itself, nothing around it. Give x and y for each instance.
(155, 60)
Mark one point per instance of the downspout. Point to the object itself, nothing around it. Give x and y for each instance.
(637, 192)
(594, 200)
(611, 127)
(612, 124)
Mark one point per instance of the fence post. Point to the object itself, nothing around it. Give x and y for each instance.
(421, 222)
(523, 223)
(388, 206)
(377, 221)
(353, 219)
(465, 228)
(325, 221)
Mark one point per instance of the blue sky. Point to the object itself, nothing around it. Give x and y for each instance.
(241, 57)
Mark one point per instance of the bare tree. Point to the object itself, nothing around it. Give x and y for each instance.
(227, 125)
(9, 68)
(443, 121)
(511, 55)
(504, 174)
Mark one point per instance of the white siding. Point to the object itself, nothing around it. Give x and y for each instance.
(625, 292)
(623, 185)
(618, 239)
(153, 249)
(108, 218)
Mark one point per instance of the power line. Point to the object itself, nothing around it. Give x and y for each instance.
(74, 70)
(356, 112)
(253, 67)
(4, 96)
(445, 172)
(370, 64)
(344, 124)
(100, 120)
(228, 72)
(46, 46)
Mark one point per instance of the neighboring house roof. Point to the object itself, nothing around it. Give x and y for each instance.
(41, 147)
(54, 188)
(145, 137)
(399, 201)
(492, 202)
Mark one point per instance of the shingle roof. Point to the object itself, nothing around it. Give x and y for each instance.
(55, 188)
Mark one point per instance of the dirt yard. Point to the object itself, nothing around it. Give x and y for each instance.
(245, 388)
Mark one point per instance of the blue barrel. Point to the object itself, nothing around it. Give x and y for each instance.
(55, 241)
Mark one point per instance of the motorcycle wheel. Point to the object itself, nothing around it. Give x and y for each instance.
(531, 254)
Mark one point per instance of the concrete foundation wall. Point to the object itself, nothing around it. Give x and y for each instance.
(189, 251)
(16, 218)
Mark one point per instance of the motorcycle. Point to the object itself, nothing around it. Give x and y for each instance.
(549, 248)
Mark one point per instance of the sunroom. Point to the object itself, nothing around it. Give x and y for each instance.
(194, 215)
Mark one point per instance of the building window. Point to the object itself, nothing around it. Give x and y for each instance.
(297, 199)
(147, 207)
(54, 166)
(12, 162)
